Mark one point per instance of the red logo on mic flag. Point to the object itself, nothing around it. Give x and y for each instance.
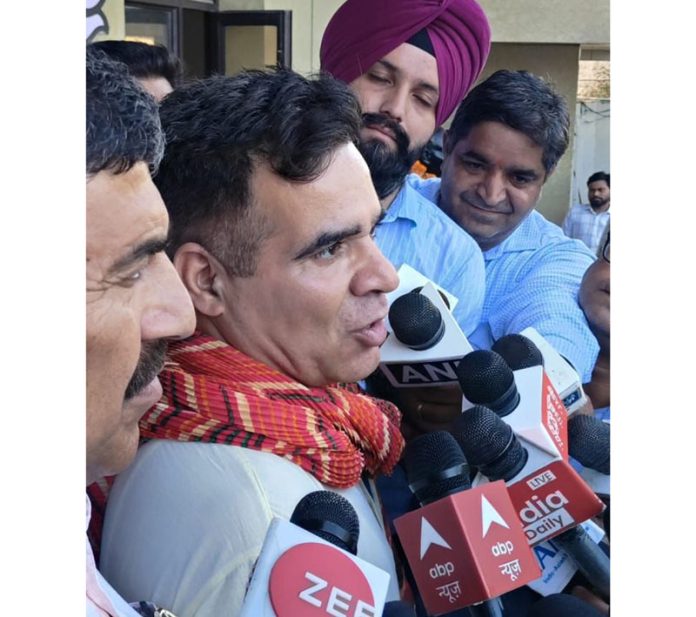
(466, 548)
(552, 499)
(315, 580)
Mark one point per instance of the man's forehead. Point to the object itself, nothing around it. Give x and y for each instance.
(516, 149)
(413, 62)
(341, 196)
(123, 211)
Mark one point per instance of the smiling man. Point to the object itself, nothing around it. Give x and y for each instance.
(135, 300)
(272, 213)
(409, 63)
(505, 141)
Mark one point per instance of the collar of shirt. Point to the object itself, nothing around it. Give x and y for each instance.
(592, 211)
(528, 236)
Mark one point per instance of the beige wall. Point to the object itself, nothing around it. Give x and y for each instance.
(115, 13)
(302, 11)
(548, 21)
(531, 21)
(558, 64)
(240, 5)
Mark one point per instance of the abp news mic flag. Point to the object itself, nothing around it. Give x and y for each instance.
(464, 545)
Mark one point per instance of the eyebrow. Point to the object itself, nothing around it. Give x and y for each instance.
(145, 249)
(328, 238)
(424, 85)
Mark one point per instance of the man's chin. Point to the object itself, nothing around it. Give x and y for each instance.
(361, 368)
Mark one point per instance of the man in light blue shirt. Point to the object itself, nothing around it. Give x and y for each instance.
(505, 141)
(414, 232)
(409, 68)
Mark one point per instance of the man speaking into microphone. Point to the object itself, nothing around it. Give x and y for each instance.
(272, 213)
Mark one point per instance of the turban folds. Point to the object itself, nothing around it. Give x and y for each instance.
(361, 32)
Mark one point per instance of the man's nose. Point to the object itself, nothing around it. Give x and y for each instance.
(492, 188)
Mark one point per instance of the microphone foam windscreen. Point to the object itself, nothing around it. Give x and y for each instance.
(588, 442)
(518, 351)
(331, 517)
(489, 443)
(398, 608)
(435, 466)
(416, 321)
(485, 379)
(562, 605)
(445, 299)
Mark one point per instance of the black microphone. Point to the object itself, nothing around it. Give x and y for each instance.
(331, 517)
(518, 351)
(489, 444)
(292, 568)
(588, 442)
(485, 379)
(505, 462)
(435, 467)
(445, 299)
(562, 605)
(398, 608)
(416, 321)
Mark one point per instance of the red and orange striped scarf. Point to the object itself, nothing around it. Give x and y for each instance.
(214, 393)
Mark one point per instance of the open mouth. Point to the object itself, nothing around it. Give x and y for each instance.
(374, 334)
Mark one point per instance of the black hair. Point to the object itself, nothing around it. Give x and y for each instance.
(144, 60)
(123, 126)
(219, 130)
(597, 176)
(525, 103)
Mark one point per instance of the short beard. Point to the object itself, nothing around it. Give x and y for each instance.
(602, 202)
(149, 365)
(388, 168)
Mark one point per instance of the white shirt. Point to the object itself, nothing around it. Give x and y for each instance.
(583, 223)
(102, 599)
(185, 523)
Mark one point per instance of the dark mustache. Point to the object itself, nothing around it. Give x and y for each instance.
(402, 141)
(149, 365)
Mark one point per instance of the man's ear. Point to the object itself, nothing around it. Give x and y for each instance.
(201, 274)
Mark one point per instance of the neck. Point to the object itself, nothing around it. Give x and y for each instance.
(389, 199)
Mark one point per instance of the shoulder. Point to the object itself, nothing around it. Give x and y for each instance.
(550, 237)
(540, 244)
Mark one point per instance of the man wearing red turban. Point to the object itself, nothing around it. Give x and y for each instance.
(410, 62)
